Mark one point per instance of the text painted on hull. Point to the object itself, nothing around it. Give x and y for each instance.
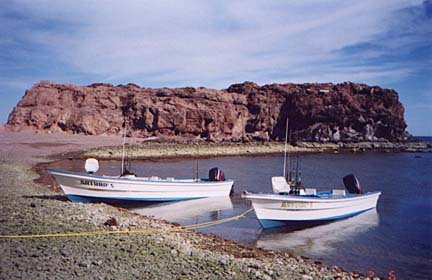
(96, 184)
(296, 204)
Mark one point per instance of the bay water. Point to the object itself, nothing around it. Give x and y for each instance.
(396, 236)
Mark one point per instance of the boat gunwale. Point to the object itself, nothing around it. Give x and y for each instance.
(294, 198)
(115, 179)
(110, 190)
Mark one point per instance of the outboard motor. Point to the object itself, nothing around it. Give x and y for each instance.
(91, 165)
(215, 174)
(352, 184)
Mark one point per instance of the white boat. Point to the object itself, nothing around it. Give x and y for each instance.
(291, 202)
(274, 210)
(87, 187)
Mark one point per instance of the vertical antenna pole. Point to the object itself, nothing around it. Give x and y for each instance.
(300, 168)
(290, 169)
(297, 168)
(124, 142)
(285, 155)
(197, 173)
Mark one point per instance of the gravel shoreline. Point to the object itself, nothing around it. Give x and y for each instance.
(168, 253)
(154, 150)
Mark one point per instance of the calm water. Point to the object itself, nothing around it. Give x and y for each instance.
(396, 236)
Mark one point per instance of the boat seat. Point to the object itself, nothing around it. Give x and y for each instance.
(280, 185)
(128, 176)
(310, 191)
(338, 192)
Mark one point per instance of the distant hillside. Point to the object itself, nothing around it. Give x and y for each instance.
(243, 112)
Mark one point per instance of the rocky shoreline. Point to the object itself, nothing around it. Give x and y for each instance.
(164, 251)
(152, 150)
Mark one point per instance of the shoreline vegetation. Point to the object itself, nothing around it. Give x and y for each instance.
(166, 251)
(161, 150)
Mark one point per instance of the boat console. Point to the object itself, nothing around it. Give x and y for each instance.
(91, 165)
(280, 185)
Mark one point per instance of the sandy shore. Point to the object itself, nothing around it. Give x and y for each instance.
(163, 251)
(33, 148)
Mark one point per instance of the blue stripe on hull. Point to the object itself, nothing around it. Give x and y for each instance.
(88, 199)
(268, 223)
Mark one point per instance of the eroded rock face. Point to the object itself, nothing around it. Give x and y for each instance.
(243, 112)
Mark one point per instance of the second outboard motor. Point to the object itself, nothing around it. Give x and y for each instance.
(352, 184)
(215, 174)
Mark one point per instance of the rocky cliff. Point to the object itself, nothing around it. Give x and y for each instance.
(243, 112)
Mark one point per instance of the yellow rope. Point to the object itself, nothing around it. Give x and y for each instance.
(221, 221)
(140, 231)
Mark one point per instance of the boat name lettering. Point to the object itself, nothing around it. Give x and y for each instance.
(95, 183)
(296, 204)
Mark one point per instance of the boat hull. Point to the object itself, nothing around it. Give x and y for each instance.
(273, 210)
(80, 187)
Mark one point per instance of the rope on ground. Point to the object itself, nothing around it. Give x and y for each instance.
(139, 231)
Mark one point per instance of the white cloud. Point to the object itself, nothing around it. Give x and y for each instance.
(212, 43)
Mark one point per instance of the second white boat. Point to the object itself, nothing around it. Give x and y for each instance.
(291, 202)
(273, 210)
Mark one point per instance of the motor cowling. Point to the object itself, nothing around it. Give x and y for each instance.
(215, 174)
(352, 184)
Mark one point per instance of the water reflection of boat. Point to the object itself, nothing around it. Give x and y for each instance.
(183, 210)
(318, 239)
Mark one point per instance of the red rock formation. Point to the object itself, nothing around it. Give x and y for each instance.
(317, 112)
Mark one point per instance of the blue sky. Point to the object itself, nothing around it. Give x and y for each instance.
(218, 43)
